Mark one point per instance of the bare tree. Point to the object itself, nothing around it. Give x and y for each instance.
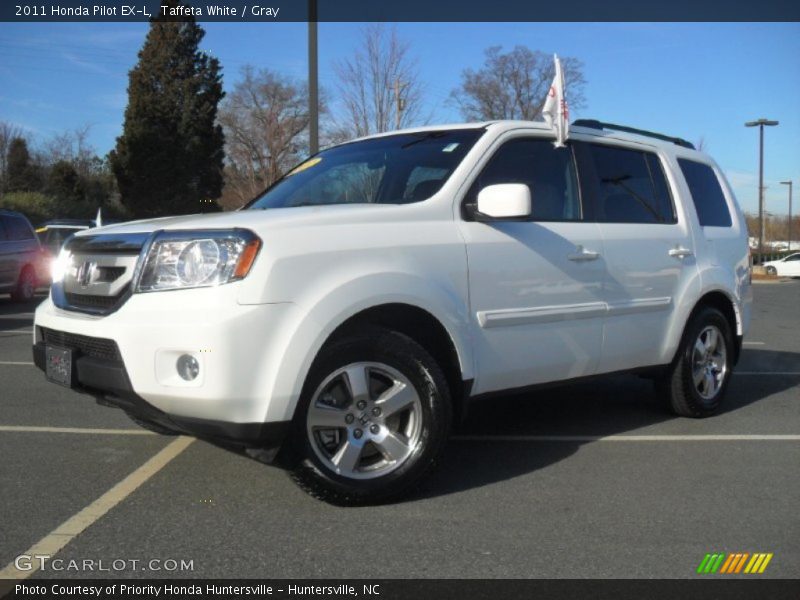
(8, 131)
(264, 119)
(379, 86)
(514, 85)
(74, 148)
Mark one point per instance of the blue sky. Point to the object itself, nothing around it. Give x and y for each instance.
(688, 79)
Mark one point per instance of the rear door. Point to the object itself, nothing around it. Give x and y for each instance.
(535, 286)
(648, 249)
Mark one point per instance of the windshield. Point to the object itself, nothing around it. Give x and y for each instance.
(397, 169)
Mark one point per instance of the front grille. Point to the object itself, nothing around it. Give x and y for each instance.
(91, 301)
(101, 348)
(99, 275)
(109, 274)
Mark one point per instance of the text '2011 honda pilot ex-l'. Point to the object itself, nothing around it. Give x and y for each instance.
(343, 319)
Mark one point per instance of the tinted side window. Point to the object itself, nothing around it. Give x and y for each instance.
(3, 236)
(709, 201)
(549, 172)
(18, 229)
(629, 186)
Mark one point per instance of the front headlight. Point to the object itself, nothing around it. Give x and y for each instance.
(190, 259)
(59, 265)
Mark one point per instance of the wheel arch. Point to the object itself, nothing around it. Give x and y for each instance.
(425, 329)
(722, 301)
(434, 316)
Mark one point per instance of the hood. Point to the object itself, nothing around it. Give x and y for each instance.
(301, 216)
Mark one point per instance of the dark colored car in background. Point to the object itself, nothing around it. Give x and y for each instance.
(53, 234)
(23, 264)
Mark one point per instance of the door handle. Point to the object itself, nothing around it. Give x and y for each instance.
(582, 254)
(680, 252)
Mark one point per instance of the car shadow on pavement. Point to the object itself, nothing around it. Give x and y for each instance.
(612, 405)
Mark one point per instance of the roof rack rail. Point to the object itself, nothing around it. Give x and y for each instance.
(595, 124)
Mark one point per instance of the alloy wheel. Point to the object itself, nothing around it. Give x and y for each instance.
(709, 362)
(365, 420)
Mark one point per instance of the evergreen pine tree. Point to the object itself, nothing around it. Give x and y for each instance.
(169, 158)
(20, 175)
(64, 184)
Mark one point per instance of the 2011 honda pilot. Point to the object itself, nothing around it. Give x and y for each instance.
(345, 317)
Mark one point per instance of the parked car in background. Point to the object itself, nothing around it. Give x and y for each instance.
(53, 234)
(22, 261)
(788, 266)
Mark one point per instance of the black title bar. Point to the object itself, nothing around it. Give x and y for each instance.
(405, 589)
(405, 10)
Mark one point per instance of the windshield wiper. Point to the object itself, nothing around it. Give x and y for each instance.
(428, 136)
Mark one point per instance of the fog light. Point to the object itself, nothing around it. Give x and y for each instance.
(188, 367)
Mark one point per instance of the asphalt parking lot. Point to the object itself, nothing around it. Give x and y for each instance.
(591, 480)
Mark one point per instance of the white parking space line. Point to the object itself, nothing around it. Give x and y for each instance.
(75, 525)
(754, 343)
(36, 429)
(627, 438)
(16, 363)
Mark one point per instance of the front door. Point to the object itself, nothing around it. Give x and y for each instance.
(535, 286)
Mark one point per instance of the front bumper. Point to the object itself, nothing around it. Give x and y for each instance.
(108, 382)
(238, 347)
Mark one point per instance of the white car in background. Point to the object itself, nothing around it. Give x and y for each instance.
(788, 266)
(349, 315)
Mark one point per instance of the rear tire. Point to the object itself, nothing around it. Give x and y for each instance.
(26, 286)
(695, 383)
(372, 421)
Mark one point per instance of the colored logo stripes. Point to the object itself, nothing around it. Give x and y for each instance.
(734, 562)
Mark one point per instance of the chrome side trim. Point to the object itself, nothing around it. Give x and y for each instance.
(638, 305)
(569, 312)
(544, 314)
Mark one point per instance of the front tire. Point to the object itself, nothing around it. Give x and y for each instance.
(696, 381)
(372, 421)
(772, 271)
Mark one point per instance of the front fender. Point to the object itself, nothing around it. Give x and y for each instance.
(331, 305)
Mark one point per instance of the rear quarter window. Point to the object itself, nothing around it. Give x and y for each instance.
(709, 200)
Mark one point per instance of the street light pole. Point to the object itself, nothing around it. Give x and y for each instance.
(761, 123)
(789, 183)
(313, 80)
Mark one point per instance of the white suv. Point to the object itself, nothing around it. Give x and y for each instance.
(344, 319)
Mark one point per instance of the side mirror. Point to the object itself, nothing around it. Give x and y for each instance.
(504, 202)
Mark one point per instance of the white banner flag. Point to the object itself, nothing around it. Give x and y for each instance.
(556, 111)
